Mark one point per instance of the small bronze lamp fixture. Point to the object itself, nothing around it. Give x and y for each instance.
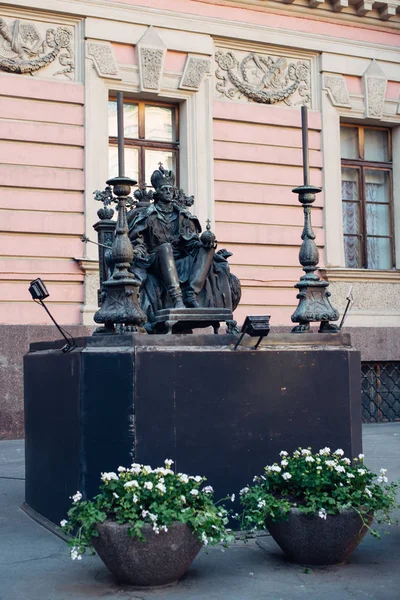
(255, 326)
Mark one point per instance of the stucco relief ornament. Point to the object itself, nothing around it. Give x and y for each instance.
(262, 78)
(23, 50)
(337, 90)
(104, 60)
(151, 63)
(195, 70)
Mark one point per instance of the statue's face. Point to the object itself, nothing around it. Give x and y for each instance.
(165, 193)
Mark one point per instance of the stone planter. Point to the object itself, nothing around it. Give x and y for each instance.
(160, 560)
(311, 540)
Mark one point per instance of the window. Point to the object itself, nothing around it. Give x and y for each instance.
(367, 197)
(151, 137)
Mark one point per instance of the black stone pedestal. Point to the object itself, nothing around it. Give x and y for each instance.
(213, 410)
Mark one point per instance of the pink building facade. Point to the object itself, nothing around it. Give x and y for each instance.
(233, 75)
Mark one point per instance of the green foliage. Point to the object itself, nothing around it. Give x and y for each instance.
(324, 484)
(141, 495)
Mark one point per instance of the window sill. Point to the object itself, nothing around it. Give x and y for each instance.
(365, 275)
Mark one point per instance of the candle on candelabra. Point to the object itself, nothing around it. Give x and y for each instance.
(120, 127)
(304, 137)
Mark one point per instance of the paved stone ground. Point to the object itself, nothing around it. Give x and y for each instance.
(35, 564)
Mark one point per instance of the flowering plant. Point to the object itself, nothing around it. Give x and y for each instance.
(140, 495)
(324, 483)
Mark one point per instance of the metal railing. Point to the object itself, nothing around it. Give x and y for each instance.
(380, 391)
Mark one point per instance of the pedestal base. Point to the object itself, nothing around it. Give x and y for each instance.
(214, 411)
(175, 320)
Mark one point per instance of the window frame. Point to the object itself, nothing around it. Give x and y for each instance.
(363, 165)
(141, 144)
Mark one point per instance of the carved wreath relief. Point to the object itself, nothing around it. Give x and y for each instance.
(262, 78)
(25, 49)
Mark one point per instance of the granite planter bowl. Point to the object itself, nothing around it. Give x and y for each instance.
(311, 540)
(162, 559)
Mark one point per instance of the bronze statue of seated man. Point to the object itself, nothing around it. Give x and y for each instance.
(176, 265)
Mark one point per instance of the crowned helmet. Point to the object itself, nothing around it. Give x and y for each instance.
(162, 177)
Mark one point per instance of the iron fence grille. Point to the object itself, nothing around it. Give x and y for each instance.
(380, 391)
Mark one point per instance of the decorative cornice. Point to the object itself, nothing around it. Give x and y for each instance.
(88, 265)
(332, 274)
(370, 9)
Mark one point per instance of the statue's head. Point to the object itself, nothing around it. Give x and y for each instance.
(163, 182)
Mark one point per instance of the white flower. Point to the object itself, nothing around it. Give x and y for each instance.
(261, 503)
(340, 469)
(194, 492)
(197, 478)
(305, 452)
(135, 499)
(284, 463)
(75, 554)
(63, 522)
(183, 499)
(183, 477)
(133, 483)
(382, 479)
(319, 468)
(148, 485)
(283, 453)
(164, 528)
(296, 454)
(286, 476)
(339, 452)
(368, 492)
(121, 469)
(160, 486)
(208, 489)
(350, 476)
(309, 459)
(168, 462)
(233, 498)
(322, 513)
(275, 468)
(325, 451)
(76, 497)
(115, 495)
(361, 471)
(204, 538)
(146, 469)
(109, 476)
(145, 513)
(383, 471)
(135, 468)
(331, 463)
(244, 491)
(346, 461)
(361, 456)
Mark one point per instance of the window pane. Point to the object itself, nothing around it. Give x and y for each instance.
(376, 186)
(349, 142)
(154, 157)
(376, 145)
(350, 184)
(131, 127)
(131, 162)
(379, 253)
(378, 219)
(352, 252)
(351, 218)
(159, 123)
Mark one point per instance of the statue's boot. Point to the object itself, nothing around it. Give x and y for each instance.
(190, 298)
(169, 274)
